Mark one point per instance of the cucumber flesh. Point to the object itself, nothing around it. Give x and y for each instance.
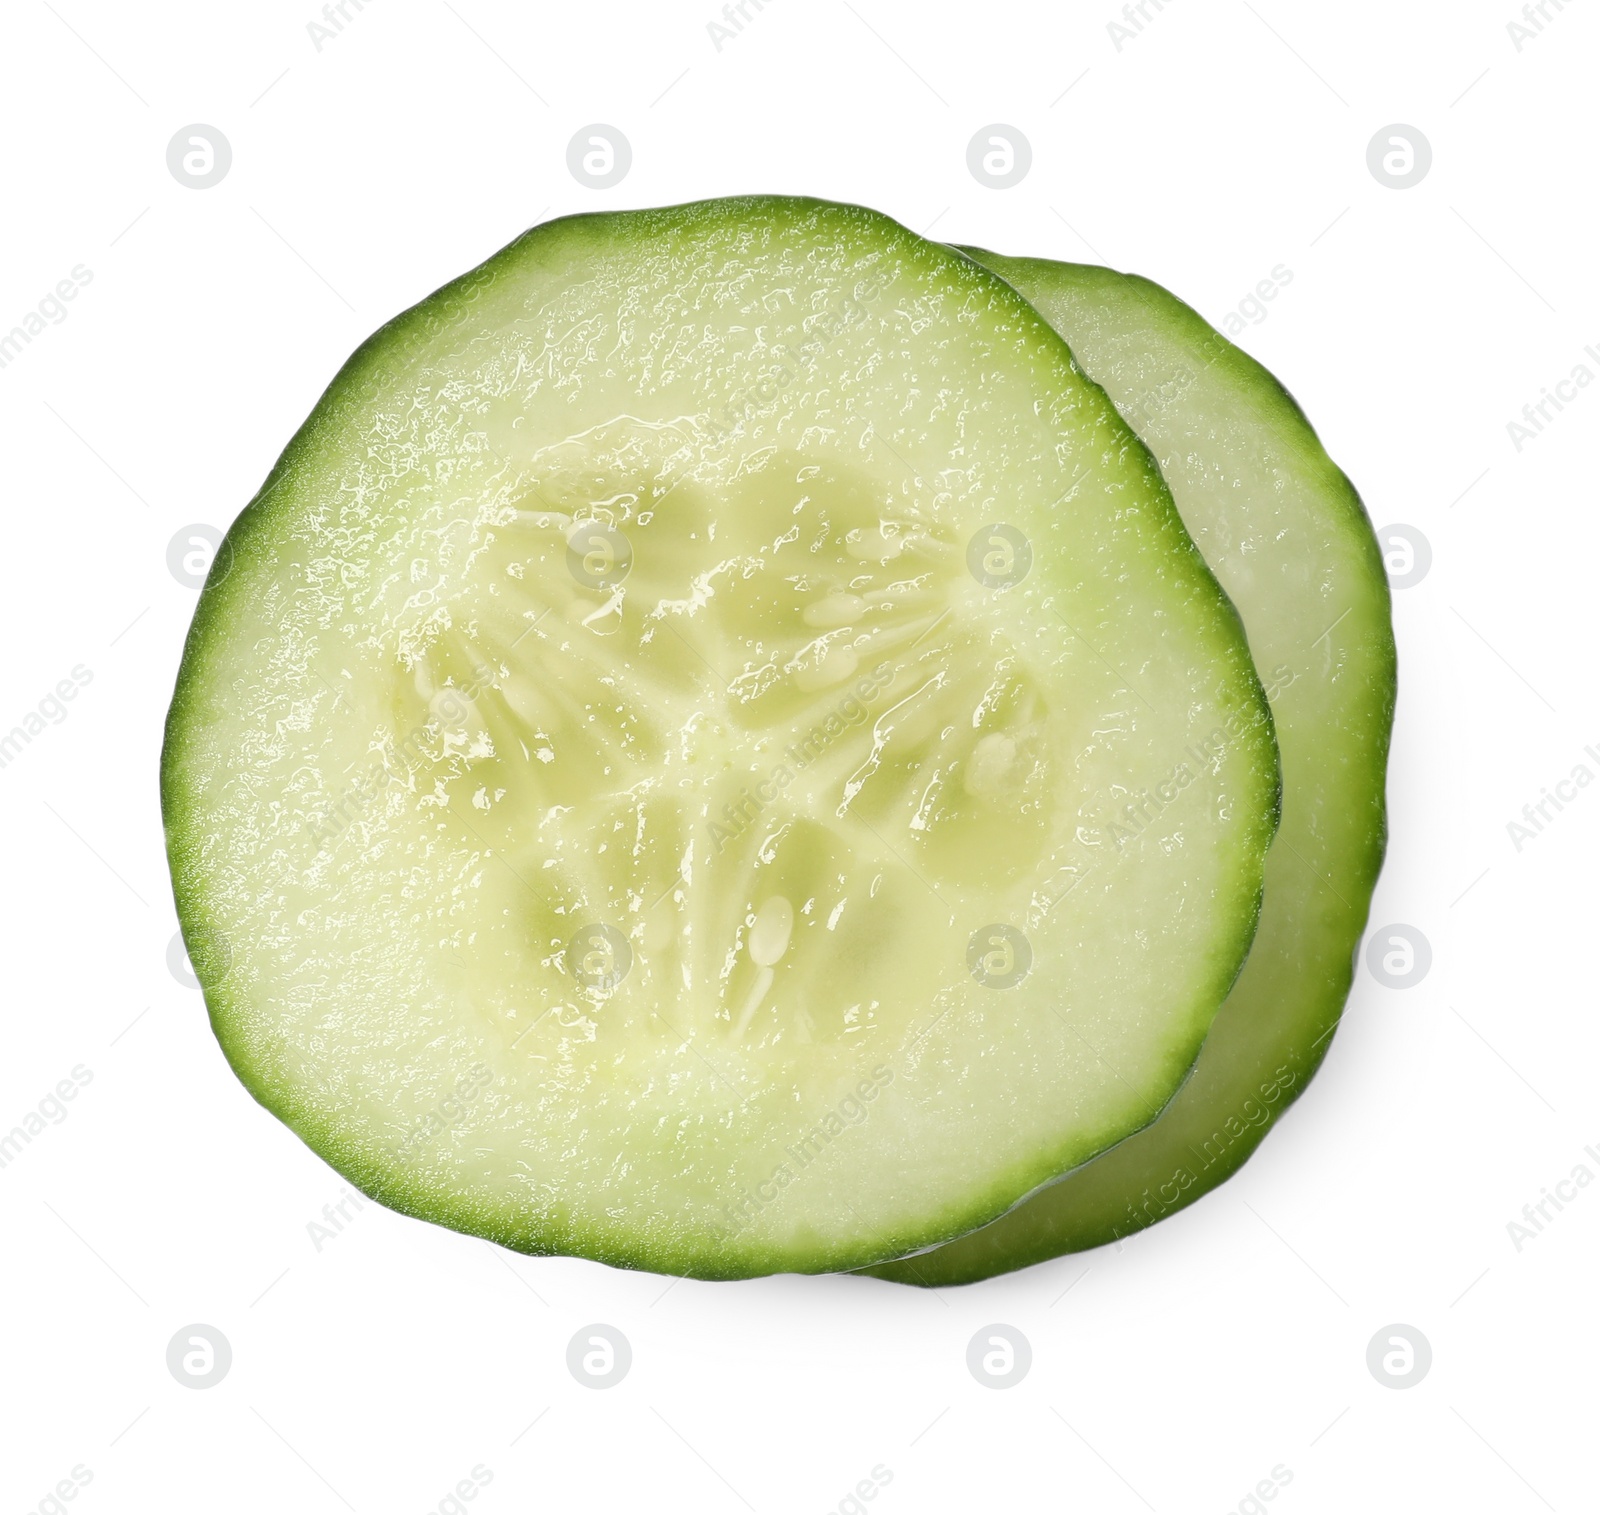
(1288, 537)
(651, 782)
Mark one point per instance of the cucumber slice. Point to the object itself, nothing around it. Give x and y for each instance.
(650, 783)
(1287, 535)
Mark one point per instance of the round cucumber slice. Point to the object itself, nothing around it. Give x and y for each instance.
(712, 751)
(1288, 537)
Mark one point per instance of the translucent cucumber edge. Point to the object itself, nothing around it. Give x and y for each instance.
(1276, 401)
(361, 377)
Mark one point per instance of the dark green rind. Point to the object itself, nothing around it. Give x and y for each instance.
(1272, 1034)
(368, 371)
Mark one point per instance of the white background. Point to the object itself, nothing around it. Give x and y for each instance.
(1222, 140)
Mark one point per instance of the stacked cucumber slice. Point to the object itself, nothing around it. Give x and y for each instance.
(1286, 533)
(716, 749)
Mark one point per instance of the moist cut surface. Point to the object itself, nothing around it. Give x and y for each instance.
(714, 752)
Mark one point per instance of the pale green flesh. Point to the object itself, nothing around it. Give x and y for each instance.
(1287, 536)
(411, 755)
